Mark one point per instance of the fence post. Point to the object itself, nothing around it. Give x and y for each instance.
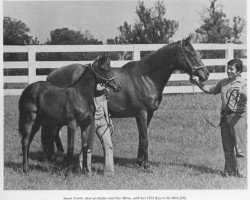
(229, 54)
(136, 53)
(32, 63)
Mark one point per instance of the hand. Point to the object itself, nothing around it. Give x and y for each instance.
(194, 80)
(238, 89)
(110, 123)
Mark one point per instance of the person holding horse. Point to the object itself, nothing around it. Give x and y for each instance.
(142, 82)
(104, 126)
(233, 117)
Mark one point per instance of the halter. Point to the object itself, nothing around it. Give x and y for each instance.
(184, 57)
(106, 80)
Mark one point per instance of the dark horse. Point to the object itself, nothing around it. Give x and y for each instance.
(142, 84)
(44, 104)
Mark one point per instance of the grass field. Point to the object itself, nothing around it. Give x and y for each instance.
(184, 152)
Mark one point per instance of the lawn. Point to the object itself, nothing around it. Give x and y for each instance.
(184, 152)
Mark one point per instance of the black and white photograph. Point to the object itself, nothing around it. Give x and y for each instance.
(124, 100)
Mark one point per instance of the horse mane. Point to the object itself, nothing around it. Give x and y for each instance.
(81, 75)
(156, 59)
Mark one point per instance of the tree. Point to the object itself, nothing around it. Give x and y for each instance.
(65, 36)
(215, 26)
(151, 27)
(15, 32)
(238, 26)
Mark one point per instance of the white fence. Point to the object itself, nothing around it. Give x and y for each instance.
(32, 64)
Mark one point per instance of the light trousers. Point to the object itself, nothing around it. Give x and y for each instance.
(103, 132)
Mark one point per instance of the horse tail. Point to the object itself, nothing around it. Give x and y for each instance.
(27, 109)
(21, 125)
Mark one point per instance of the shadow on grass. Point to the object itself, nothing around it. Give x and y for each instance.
(63, 164)
(199, 168)
(19, 168)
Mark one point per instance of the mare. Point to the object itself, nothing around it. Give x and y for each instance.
(142, 83)
(44, 104)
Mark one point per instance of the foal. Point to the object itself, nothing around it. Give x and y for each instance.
(44, 104)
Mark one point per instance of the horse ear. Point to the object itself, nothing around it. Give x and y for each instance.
(99, 58)
(105, 56)
(189, 38)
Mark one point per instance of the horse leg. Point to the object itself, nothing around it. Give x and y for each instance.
(142, 123)
(150, 115)
(71, 137)
(87, 135)
(35, 128)
(28, 126)
(58, 141)
(140, 155)
(48, 135)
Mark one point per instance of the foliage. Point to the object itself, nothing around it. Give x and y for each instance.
(65, 36)
(238, 26)
(215, 26)
(15, 32)
(151, 27)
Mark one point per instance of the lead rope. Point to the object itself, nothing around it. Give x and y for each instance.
(204, 116)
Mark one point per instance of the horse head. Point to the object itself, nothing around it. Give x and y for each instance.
(190, 62)
(104, 73)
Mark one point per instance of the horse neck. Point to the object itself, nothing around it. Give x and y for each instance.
(160, 65)
(86, 85)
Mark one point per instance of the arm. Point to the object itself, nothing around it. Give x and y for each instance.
(244, 94)
(209, 89)
(243, 91)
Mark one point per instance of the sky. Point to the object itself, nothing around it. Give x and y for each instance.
(102, 18)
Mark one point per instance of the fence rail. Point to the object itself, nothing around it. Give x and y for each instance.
(32, 64)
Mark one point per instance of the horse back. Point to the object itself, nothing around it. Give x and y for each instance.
(67, 75)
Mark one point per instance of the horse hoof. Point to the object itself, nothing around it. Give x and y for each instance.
(87, 173)
(25, 169)
(155, 164)
(139, 162)
(146, 167)
(148, 170)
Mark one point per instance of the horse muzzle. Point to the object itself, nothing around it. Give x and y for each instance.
(201, 72)
(114, 84)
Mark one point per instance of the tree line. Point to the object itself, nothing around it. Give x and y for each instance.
(150, 27)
